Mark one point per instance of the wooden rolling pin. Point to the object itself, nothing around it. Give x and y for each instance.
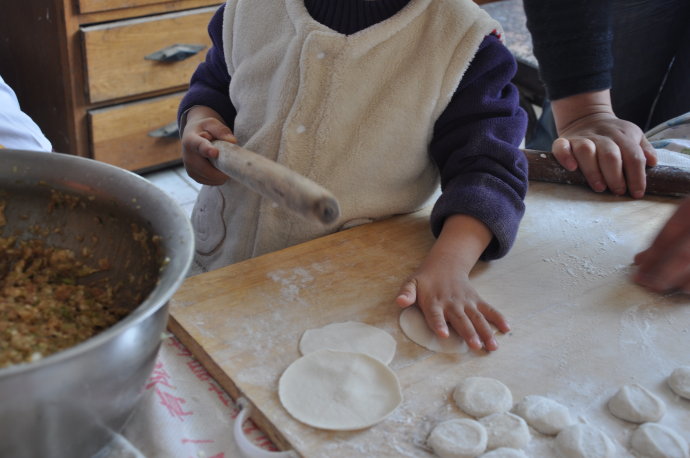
(661, 180)
(274, 181)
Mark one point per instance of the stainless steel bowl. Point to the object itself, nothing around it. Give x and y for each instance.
(71, 403)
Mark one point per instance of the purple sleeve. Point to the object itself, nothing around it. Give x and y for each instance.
(210, 81)
(476, 147)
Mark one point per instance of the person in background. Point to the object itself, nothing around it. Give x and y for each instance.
(17, 129)
(612, 69)
(377, 101)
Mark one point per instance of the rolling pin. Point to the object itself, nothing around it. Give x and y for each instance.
(274, 181)
(661, 180)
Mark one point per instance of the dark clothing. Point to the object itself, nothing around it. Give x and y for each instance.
(475, 140)
(638, 49)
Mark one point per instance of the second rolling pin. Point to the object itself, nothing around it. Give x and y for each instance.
(274, 181)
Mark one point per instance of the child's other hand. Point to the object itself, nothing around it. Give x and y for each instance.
(203, 126)
(442, 289)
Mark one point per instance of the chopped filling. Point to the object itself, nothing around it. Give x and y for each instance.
(43, 306)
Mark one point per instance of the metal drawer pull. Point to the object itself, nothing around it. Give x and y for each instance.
(175, 53)
(167, 131)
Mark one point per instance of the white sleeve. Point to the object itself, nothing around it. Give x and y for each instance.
(17, 129)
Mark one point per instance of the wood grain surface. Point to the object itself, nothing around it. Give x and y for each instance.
(580, 328)
(115, 53)
(120, 133)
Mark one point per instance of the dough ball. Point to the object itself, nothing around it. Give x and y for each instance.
(462, 438)
(337, 390)
(504, 452)
(350, 336)
(584, 441)
(636, 404)
(652, 440)
(482, 396)
(505, 429)
(414, 326)
(543, 414)
(679, 381)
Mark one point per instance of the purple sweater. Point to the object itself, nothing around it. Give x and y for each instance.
(475, 141)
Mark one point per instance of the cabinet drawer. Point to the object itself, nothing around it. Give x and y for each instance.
(121, 134)
(116, 53)
(91, 6)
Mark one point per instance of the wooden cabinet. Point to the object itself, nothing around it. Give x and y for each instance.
(103, 78)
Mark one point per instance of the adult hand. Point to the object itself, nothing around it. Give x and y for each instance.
(665, 265)
(610, 152)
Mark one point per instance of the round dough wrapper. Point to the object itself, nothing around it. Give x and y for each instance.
(461, 438)
(350, 336)
(414, 326)
(584, 441)
(505, 430)
(679, 381)
(543, 414)
(339, 391)
(505, 452)
(636, 404)
(658, 441)
(482, 396)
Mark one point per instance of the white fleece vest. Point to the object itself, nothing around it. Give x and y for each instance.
(353, 113)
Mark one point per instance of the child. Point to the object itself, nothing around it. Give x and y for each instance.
(371, 99)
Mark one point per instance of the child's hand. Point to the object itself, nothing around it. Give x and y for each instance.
(203, 126)
(442, 289)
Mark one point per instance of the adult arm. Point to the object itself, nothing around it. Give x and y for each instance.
(572, 42)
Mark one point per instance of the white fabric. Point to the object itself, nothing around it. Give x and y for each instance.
(671, 140)
(17, 129)
(354, 113)
(183, 413)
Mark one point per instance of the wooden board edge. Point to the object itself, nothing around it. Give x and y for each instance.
(257, 416)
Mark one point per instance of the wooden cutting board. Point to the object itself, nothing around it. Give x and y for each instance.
(580, 328)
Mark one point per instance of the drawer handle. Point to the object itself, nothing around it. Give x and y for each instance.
(167, 131)
(175, 53)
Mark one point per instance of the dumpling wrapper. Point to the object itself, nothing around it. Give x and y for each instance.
(339, 391)
(414, 326)
(350, 336)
